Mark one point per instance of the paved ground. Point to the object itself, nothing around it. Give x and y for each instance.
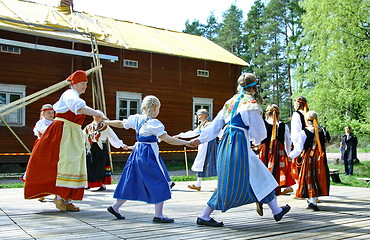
(344, 215)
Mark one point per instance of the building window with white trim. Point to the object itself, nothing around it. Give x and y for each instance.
(10, 93)
(202, 73)
(10, 49)
(130, 63)
(201, 103)
(127, 103)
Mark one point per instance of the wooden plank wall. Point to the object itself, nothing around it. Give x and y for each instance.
(172, 79)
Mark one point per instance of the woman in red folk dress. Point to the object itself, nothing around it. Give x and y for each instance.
(275, 148)
(313, 179)
(58, 164)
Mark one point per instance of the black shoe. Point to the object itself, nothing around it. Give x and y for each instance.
(116, 214)
(163, 220)
(313, 207)
(259, 208)
(280, 215)
(210, 223)
(101, 189)
(172, 184)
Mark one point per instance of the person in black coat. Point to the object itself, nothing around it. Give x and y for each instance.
(349, 150)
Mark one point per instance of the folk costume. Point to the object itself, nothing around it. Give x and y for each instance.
(274, 152)
(145, 176)
(41, 126)
(205, 161)
(242, 177)
(99, 171)
(61, 151)
(298, 123)
(313, 179)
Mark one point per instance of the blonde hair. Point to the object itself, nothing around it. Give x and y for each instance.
(311, 115)
(302, 103)
(204, 111)
(270, 111)
(46, 106)
(245, 79)
(148, 104)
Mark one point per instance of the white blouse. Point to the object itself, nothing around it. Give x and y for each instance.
(149, 128)
(41, 126)
(69, 101)
(299, 143)
(106, 134)
(296, 126)
(252, 118)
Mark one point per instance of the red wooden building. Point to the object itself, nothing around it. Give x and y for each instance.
(42, 45)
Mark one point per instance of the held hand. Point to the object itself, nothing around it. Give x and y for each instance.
(125, 147)
(194, 142)
(104, 117)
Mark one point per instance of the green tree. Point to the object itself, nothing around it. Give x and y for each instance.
(230, 34)
(195, 28)
(211, 29)
(335, 68)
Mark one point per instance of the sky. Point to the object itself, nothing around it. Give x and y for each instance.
(167, 14)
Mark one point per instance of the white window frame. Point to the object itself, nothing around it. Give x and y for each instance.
(202, 102)
(16, 89)
(202, 73)
(127, 96)
(130, 63)
(10, 49)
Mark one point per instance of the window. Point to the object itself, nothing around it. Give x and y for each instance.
(127, 104)
(10, 49)
(130, 63)
(202, 73)
(200, 103)
(10, 93)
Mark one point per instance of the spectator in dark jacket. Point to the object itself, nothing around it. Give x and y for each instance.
(349, 150)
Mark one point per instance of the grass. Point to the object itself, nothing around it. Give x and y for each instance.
(361, 170)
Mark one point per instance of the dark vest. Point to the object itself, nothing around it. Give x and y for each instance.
(280, 132)
(310, 136)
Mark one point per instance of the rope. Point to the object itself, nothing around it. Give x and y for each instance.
(126, 152)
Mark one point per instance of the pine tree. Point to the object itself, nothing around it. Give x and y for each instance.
(230, 34)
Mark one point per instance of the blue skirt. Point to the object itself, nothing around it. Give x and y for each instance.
(142, 178)
(234, 187)
(209, 167)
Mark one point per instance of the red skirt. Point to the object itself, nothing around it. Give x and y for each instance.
(42, 167)
(313, 180)
(278, 163)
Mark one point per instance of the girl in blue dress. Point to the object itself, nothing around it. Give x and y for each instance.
(242, 177)
(145, 177)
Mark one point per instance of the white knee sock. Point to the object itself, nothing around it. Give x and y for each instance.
(66, 202)
(275, 209)
(199, 182)
(158, 210)
(205, 215)
(312, 200)
(118, 204)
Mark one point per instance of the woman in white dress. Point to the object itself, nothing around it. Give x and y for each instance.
(205, 161)
(242, 177)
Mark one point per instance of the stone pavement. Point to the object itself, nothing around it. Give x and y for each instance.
(344, 215)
